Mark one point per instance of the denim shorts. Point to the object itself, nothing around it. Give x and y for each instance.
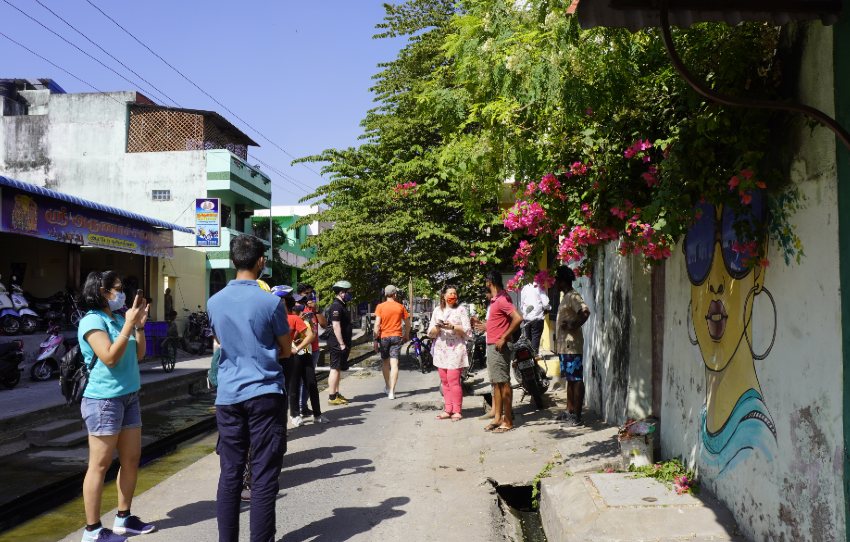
(105, 417)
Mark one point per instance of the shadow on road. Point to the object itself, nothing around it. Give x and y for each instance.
(303, 457)
(348, 522)
(306, 475)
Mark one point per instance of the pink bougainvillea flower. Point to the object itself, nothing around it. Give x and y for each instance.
(544, 279)
(629, 153)
(585, 210)
(651, 180)
(588, 112)
(577, 168)
(549, 184)
(761, 184)
(644, 144)
(747, 174)
(472, 254)
(734, 182)
(647, 159)
(619, 213)
(522, 254)
(514, 283)
(746, 197)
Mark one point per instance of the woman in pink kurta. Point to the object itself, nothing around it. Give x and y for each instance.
(450, 328)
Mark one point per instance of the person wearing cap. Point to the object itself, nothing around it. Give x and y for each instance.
(339, 339)
(314, 319)
(392, 322)
(569, 342)
(252, 329)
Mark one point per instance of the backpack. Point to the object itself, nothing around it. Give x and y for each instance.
(74, 375)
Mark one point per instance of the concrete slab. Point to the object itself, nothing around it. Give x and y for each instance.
(604, 508)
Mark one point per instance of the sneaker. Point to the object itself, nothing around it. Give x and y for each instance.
(321, 419)
(132, 525)
(391, 395)
(569, 419)
(306, 412)
(339, 400)
(344, 398)
(102, 535)
(297, 421)
(246, 494)
(386, 390)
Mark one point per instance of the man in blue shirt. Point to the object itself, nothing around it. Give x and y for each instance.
(252, 329)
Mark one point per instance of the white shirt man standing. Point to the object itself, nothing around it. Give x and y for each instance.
(534, 303)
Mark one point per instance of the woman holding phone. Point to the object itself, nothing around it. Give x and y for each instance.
(110, 404)
(450, 328)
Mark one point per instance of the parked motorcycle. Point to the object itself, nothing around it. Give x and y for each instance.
(11, 357)
(29, 319)
(476, 349)
(50, 309)
(10, 320)
(197, 337)
(420, 347)
(47, 360)
(531, 377)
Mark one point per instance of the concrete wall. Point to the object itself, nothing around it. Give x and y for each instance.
(781, 470)
(618, 350)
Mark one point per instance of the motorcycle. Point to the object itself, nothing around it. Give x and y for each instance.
(531, 377)
(50, 309)
(47, 359)
(476, 349)
(10, 320)
(11, 357)
(29, 319)
(420, 348)
(198, 335)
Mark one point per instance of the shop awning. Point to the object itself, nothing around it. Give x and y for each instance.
(74, 200)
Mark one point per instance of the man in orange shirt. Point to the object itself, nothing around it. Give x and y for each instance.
(392, 322)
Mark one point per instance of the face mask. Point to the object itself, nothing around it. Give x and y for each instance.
(118, 302)
(451, 299)
(346, 297)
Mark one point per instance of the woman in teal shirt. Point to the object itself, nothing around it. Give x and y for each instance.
(110, 404)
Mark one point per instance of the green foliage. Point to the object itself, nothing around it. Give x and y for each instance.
(545, 472)
(670, 473)
(486, 91)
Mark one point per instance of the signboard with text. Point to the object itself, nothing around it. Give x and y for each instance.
(48, 218)
(207, 222)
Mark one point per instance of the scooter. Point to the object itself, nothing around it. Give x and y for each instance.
(10, 320)
(29, 319)
(11, 357)
(476, 350)
(531, 377)
(197, 337)
(47, 360)
(50, 309)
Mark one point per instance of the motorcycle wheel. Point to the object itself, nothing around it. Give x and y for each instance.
(10, 379)
(10, 325)
(533, 388)
(169, 356)
(29, 324)
(42, 371)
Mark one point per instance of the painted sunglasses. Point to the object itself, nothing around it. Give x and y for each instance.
(707, 230)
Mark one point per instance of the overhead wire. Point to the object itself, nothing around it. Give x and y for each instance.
(58, 67)
(75, 46)
(193, 83)
(131, 70)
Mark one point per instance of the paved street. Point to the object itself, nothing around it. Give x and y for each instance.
(382, 470)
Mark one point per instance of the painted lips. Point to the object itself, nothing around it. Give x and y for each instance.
(716, 320)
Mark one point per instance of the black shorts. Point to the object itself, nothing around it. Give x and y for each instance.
(339, 358)
(390, 347)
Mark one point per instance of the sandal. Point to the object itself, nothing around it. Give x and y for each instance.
(502, 429)
(491, 426)
(456, 417)
(443, 416)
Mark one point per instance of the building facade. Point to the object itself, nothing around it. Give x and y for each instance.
(290, 238)
(123, 150)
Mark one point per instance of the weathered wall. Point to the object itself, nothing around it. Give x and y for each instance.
(776, 460)
(618, 355)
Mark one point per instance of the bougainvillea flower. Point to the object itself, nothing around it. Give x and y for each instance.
(734, 182)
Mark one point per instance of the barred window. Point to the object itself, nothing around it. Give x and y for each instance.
(161, 195)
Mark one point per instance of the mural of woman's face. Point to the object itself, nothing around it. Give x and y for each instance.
(722, 280)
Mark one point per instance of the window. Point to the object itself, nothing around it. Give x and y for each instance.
(161, 195)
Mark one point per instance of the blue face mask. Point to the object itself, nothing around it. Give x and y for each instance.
(118, 302)
(346, 297)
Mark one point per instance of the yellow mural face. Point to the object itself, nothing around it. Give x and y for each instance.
(719, 257)
(721, 312)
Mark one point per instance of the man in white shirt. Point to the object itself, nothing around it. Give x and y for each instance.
(534, 303)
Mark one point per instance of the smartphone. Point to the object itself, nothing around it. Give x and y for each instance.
(140, 294)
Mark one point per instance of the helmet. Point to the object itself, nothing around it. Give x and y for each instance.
(281, 290)
(341, 285)
(262, 284)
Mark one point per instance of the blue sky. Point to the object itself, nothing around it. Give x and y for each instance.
(298, 71)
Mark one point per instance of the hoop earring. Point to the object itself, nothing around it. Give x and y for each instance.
(751, 294)
(693, 341)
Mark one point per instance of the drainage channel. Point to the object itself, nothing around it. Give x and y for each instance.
(48, 483)
(520, 512)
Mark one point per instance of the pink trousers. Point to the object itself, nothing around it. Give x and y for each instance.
(452, 391)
